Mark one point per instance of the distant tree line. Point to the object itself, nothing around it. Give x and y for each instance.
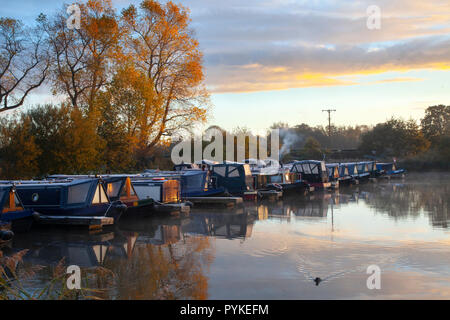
(127, 83)
(424, 145)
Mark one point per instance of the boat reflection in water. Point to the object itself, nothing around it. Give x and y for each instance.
(213, 253)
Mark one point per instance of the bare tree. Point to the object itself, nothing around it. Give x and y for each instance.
(24, 62)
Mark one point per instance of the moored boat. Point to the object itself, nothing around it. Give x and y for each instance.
(12, 211)
(69, 197)
(236, 178)
(333, 174)
(313, 172)
(389, 170)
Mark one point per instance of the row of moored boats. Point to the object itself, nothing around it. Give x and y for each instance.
(96, 200)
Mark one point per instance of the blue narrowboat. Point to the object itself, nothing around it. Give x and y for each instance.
(143, 194)
(313, 172)
(389, 169)
(193, 182)
(353, 171)
(282, 180)
(236, 178)
(12, 210)
(333, 174)
(371, 168)
(363, 171)
(69, 197)
(346, 177)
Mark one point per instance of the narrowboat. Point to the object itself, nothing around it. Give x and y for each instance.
(363, 171)
(69, 197)
(333, 174)
(313, 172)
(345, 177)
(193, 182)
(143, 194)
(288, 182)
(236, 178)
(371, 168)
(13, 212)
(198, 184)
(121, 188)
(165, 192)
(353, 171)
(389, 170)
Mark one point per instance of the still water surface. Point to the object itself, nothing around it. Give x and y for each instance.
(272, 250)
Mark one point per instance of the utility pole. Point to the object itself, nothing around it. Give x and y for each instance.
(329, 119)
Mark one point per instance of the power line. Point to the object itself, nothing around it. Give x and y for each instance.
(329, 119)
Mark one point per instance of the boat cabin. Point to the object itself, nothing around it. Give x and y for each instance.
(159, 188)
(312, 171)
(236, 178)
(64, 197)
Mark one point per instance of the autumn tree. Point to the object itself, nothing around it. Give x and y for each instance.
(24, 62)
(161, 47)
(50, 139)
(83, 57)
(19, 152)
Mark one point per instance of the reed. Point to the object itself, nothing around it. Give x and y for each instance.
(15, 278)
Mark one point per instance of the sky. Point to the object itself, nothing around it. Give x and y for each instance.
(286, 60)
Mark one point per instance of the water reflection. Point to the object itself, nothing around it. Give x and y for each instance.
(333, 236)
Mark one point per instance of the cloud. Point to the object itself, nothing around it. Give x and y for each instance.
(275, 45)
(406, 79)
(284, 67)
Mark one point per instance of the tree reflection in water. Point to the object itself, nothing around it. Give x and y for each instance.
(429, 194)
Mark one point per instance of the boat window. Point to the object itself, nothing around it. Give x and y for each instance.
(220, 171)
(275, 179)
(322, 166)
(315, 169)
(114, 188)
(100, 195)
(78, 193)
(247, 171)
(234, 172)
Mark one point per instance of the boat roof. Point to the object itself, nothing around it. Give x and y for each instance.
(5, 186)
(308, 161)
(20, 183)
(332, 165)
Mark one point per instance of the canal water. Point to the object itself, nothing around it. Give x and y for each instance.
(270, 250)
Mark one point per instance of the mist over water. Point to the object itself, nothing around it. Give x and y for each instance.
(273, 250)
